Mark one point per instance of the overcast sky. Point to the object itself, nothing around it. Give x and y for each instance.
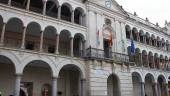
(155, 10)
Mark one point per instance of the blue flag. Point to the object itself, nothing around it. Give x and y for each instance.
(132, 48)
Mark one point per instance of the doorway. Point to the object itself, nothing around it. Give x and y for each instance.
(106, 48)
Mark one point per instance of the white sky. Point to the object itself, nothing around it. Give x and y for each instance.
(155, 10)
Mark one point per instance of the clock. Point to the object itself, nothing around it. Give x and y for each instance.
(108, 3)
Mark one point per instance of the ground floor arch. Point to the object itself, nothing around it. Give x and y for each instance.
(7, 74)
(137, 84)
(113, 87)
(149, 85)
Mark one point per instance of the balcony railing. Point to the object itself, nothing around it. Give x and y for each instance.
(94, 53)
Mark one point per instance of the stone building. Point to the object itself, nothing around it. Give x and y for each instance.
(80, 48)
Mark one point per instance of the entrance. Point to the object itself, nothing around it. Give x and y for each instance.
(106, 48)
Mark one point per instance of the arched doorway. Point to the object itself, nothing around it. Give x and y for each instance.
(7, 74)
(162, 86)
(128, 31)
(70, 81)
(137, 84)
(36, 6)
(113, 87)
(149, 85)
(36, 74)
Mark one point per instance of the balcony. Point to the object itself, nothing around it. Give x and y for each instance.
(93, 53)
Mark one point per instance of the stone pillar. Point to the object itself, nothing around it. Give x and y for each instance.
(156, 89)
(57, 43)
(83, 87)
(59, 12)
(17, 84)
(28, 5)
(141, 61)
(23, 37)
(153, 62)
(72, 16)
(67, 83)
(71, 47)
(54, 86)
(142, 89)
(44, 7)
(2, 34)
(147, 60)
(9, 2)
(41, 41)
(166, 89)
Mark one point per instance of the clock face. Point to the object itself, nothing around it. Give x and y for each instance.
(108, 3)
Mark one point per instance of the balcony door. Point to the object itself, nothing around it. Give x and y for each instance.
(106, 48)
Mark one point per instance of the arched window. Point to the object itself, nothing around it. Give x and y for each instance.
(66, 12)
(147, 38)
(78, 16)
(19, 3)
(51, 9)
(128, 31)
(153, 40)
(141, 36)
(36, 6)
(135, 34)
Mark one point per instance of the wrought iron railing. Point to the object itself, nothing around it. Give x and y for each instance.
(101, 54)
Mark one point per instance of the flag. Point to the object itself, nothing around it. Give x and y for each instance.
(98, 37)
(132, 48)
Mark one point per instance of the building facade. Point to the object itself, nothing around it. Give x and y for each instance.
(80, 48)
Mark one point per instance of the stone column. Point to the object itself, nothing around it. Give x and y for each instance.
(2, 34)
(17, 84)
(147, 60)
(141, 61)
(57, 44)
(142, 89)
(67, 83)
(59, 12)
(72, 16)
(83, 87)
(41, 41)
(156, 89)
(71, 47)
(23, 37)
(28, 5)
(9, 2)
(44, 7)
(54, 86)
(166, 89)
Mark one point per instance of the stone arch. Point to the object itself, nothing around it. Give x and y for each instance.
(137, 83)
(68, 62)
(64, 44)
(135, 33)
(147, 38)
(13, 59)
(113, 85)
(141, 36)
(46, 60)
(14, 27)
(66, 12)
(128, 31)
(50, 35)
(151, 76)
(144, 58)
(151, 59)
(79, 15)
(137, 56)
(52, 8)
(153, 39)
